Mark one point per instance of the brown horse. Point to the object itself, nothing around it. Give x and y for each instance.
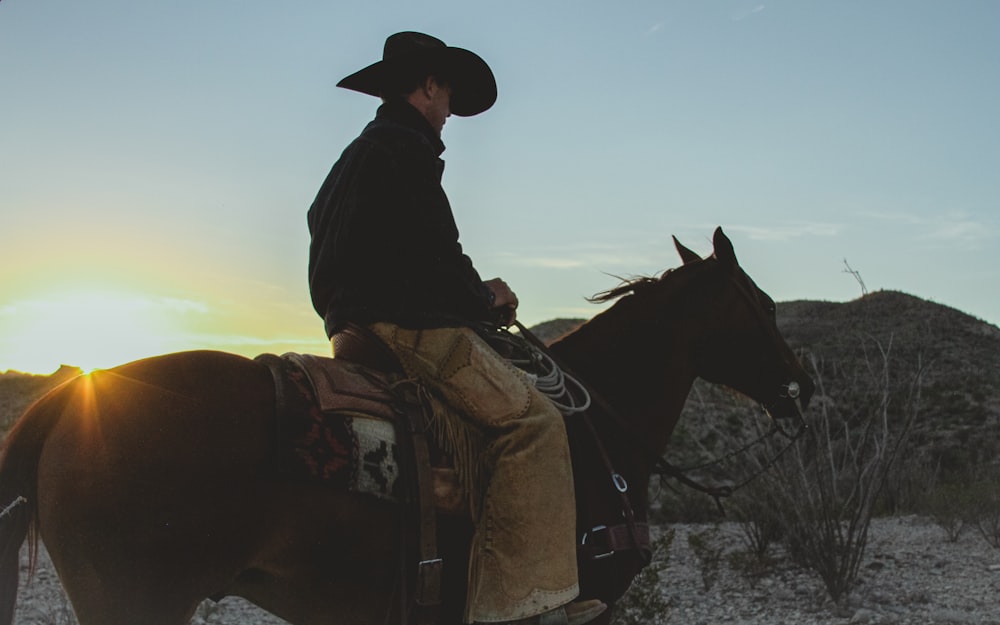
(152, 486)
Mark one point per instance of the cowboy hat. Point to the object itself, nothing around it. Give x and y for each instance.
(474, 89)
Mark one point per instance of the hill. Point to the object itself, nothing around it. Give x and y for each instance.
(885, 353)
(887, 345)
(958, 354)
(18, 391)
(885, 339)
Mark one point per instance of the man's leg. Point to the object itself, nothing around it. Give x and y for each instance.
(523, 560)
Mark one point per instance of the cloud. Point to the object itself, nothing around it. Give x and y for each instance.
(591, 255)
(953, 227)
(655, 28)
(958, 231)
(786, 232)
(245, 339)
(250, 345)
(742, 14)
(181, 305)
(549, 263)
(104, 302)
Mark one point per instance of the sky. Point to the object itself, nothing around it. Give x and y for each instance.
(157, 159)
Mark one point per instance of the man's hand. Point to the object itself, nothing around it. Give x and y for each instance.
(505, 302)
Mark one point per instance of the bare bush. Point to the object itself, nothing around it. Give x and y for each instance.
(759, 530)
(823, 492)
(708, 552)
(759, 527)
(949, 506)
(984, 498)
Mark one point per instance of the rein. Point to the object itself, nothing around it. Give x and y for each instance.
(572, 397)
(664, 468)
(661, 466)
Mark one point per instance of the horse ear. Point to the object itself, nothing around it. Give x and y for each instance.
(686, 255)
(723, 247)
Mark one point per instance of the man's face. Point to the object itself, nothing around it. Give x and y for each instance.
(438, 105)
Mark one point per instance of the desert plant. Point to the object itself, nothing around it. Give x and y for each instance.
(949, 506)
(753, 508)
(644, 603)
(984, 496)
(760, 524)
(707, 550)
(824, 491)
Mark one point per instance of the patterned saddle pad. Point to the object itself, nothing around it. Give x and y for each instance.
(336, 424)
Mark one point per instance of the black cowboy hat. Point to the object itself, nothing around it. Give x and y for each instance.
(473, 87)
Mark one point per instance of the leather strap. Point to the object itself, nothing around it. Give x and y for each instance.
(553, 617)
(359, 344)
(428, 589)
(631, 524)
(602, 541)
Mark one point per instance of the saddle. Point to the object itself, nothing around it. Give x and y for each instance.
(352, 422)
(356, 419)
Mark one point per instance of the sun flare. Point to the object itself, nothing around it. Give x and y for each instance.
(86, 329)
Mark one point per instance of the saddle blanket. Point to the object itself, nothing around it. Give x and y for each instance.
(332, 425)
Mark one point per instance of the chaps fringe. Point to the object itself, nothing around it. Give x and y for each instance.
(464, 442)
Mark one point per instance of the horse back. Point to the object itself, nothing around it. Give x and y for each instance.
(155, 484)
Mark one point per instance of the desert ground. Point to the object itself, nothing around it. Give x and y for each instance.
(911, 575)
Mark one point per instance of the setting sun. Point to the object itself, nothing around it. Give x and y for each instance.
(90, 330)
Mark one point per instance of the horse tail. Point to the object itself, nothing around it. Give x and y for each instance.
(19, 456)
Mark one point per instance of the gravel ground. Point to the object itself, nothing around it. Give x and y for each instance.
(910, 576)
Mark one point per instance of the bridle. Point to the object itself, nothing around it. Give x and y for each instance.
(663, 468)
(790, 391)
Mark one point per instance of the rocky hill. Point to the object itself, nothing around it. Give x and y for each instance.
(885, 339)
(886, 346)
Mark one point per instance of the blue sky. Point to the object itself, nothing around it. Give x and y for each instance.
(157, 159)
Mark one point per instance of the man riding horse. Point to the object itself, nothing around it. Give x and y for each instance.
(385, 256)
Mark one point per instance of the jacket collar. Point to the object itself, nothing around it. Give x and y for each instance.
(402, 112)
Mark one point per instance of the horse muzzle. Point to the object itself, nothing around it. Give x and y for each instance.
(790, 403)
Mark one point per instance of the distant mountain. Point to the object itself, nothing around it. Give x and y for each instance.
(884, 347)
(18, 391)
(862, 352)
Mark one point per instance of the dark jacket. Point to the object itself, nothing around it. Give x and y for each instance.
(384, 240)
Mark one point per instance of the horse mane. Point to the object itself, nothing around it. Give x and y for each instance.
(628, 286)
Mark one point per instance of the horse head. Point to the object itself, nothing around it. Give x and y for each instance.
(738, 343)
(641, 356)
(704, 319)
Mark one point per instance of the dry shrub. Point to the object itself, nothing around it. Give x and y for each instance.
(822, 494)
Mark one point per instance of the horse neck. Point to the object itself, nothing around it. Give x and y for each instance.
(644, 374)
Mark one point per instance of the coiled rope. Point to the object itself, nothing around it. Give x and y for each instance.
(565, 392)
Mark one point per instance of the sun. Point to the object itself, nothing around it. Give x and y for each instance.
(94, 329)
